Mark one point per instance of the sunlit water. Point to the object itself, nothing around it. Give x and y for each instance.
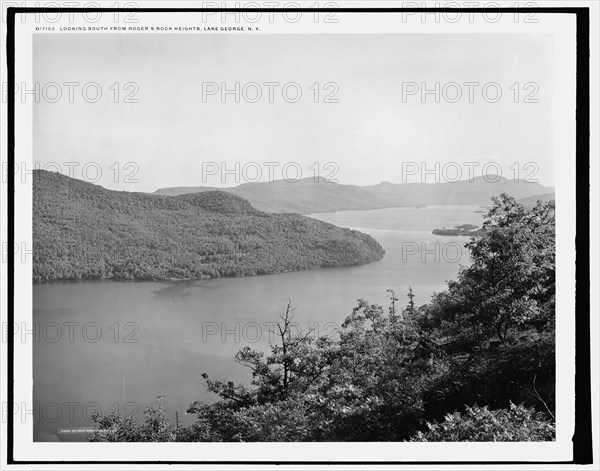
(122, 343)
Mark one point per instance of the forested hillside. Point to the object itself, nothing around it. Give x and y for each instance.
(83, 231)
(475, 364)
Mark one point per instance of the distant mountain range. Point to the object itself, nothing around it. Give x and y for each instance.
(84, 231)
(530, 201)
(309, 196)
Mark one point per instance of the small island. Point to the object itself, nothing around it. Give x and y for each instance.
(462, 230)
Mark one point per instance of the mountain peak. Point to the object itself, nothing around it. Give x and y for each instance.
(309, 180)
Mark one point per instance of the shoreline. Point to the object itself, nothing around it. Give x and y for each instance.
(203, 278)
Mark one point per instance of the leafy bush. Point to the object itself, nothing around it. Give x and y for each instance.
(154, 428)
(479, 424)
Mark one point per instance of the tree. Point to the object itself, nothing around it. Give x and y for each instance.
(411, 303)
(510, 282)
(496, 321)
(155, 427)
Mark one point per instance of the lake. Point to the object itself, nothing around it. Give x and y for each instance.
(120, 343)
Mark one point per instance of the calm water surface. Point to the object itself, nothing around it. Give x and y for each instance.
(123, 343)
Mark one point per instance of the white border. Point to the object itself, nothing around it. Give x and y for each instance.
(563, 32)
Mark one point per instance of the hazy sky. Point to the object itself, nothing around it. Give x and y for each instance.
(368, 134)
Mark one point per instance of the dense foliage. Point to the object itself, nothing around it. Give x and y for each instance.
(479, 424)
(84, 231)
(393, 374)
